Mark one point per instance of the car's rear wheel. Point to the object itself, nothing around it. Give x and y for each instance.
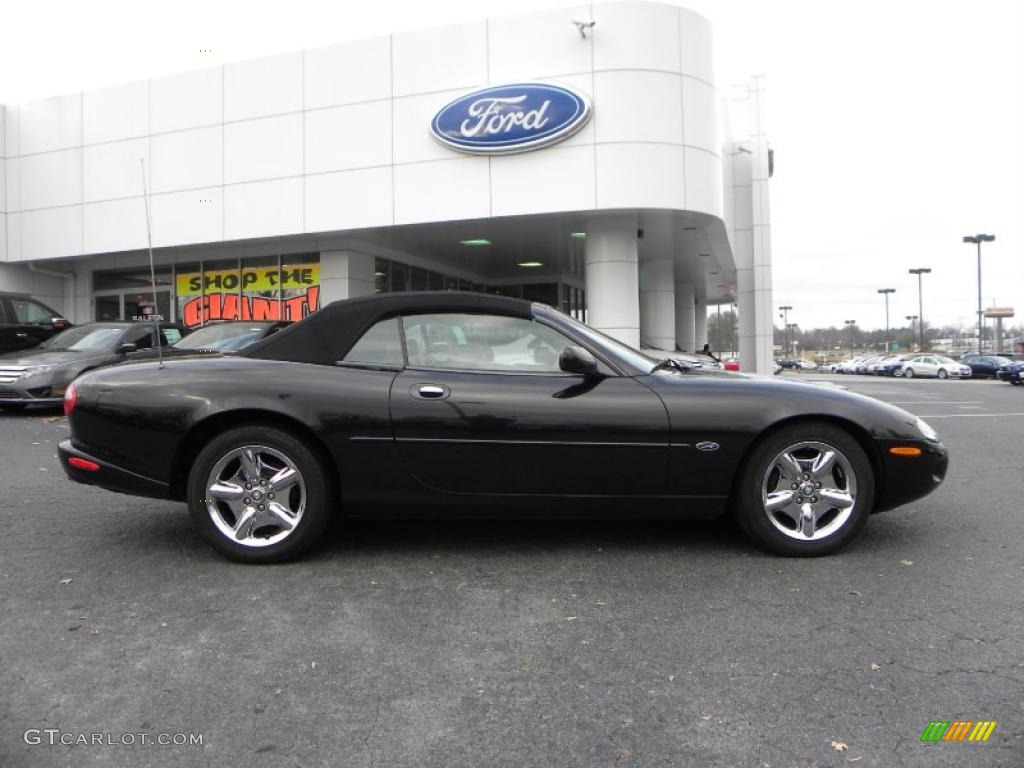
(943, 374)
(908, 373)
(806, 490)
(258, 494)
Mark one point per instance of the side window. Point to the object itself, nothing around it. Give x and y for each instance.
(31, 312)
(381, 344)
(169, 336)
(141, 337)
(483, 342)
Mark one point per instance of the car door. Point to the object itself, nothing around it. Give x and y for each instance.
(482, 407)
(28, 323)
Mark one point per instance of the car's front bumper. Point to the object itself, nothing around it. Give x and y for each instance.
(30, 393)
(1012, 376)
(906, 478)
(109, 476)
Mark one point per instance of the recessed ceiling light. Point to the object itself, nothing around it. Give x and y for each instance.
(578, 235)
(380, 274)
(476, 241)
(531, 264)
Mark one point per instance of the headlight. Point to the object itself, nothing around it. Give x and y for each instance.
(926, 430)
(39, 370)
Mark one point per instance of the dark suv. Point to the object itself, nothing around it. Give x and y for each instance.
(26, 322)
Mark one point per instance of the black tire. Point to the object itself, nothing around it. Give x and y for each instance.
(942, 374)
(908, 373)
(320, 498)
(747, 503)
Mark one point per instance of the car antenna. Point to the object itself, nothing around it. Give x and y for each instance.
(152, 270)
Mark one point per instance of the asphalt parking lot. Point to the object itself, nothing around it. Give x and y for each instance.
(511, 644)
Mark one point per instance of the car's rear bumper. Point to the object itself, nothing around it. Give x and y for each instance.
(906, 478)
(108, 476)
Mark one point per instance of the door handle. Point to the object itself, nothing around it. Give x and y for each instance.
(431, 391)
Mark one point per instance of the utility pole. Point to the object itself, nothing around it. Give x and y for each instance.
(886, 292)
(978, 240)
(785, 326)
(920, 302)
(850, 324)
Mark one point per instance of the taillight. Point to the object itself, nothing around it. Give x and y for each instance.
(70, 399)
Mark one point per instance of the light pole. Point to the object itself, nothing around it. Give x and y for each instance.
(911, 318)
(785, 332)
(978, 240)
(920, 303)
(886, 292)
(850, 324)
(791, 334)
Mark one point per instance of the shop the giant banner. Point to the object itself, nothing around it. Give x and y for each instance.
(214, 295)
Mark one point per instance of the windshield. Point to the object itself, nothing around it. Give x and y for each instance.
(83, 338)
(613, 347)
(221, 337)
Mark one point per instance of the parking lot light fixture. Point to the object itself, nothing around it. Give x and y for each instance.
(911, 319)
(920, 303)
(785, 325)
(886, 292)
(978, 240)
(850, 324)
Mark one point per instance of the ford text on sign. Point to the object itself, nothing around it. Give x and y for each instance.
(511, 118)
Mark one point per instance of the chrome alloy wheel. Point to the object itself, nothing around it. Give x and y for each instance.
(809, 490)
(255, 496)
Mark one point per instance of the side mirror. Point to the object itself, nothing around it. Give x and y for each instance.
(124, 349)
(577, 360)
(58, 323)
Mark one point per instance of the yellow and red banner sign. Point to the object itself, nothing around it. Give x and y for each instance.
(250, 279)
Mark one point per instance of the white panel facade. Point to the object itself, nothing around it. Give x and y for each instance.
(442, 190)
(120, 112)
(187, 100)
(262, 209)
(348, 73)
(554, 44)
(188, 159)
(51, 232)
(634, 36)
(640, 176)
(439, 59)
(633, 94)
(113, 170)
(51, 179)
(271, 85)
(114, 225)
(50, 124)
(269, 148)
(560, 179)
(353, 136)
(349, 199)
(180, 218)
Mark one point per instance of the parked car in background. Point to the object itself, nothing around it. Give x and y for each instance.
(26, 322)
(40, 376)
(936, 366)
(1012, 372)
(892, 365)
(731, 364)
(689, 359)
(221, 337)
(808, 365)
(985, 366)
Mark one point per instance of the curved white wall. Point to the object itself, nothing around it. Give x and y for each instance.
(337, 138)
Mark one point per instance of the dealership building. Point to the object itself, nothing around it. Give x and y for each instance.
(582, 157)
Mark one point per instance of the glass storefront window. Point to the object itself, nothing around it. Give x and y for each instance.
(300, 285)
(381, 273)
(261, 289)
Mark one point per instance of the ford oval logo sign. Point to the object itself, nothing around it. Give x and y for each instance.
(510, 118)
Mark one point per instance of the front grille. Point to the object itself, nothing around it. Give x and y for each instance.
(12, 394)
(11, 373)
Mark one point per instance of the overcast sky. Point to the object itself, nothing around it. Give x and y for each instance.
(898, 125)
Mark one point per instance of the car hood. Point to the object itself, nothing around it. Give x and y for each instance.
(34, 357)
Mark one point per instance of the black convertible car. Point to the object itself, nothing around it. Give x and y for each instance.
(472, 404)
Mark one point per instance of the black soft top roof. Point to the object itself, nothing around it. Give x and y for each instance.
(325, 336)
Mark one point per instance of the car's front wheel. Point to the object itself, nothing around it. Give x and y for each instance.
(909, 373)
(258, 494)
(805, 491)
(943, 374)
